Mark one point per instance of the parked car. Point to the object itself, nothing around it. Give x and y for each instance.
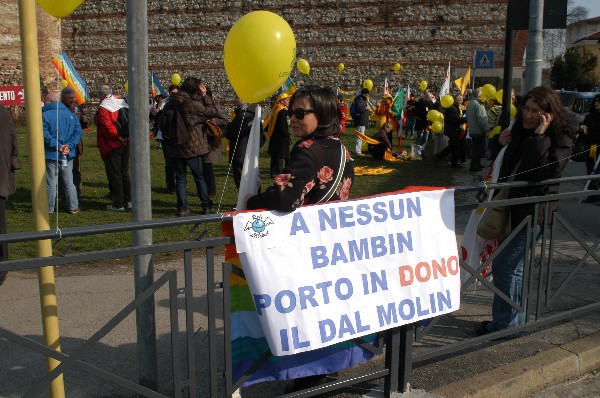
(577, 105)
(566, 98)
(581, 104)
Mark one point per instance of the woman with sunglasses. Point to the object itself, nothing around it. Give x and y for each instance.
(319, 168)
(538, 147)
(592, 142)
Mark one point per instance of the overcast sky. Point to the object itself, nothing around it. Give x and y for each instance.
(592, 5)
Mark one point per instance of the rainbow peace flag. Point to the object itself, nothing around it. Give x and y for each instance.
(157, 88)
(287, 87)
(249, 345)
(67, 72)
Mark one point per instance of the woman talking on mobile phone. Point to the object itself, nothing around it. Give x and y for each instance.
(538, 147)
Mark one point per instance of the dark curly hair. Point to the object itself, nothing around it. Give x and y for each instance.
(592, 106)
(549, 102)
(191, 86)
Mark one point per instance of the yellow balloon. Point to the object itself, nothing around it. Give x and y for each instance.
(434, 116)
(495, 131)
(437, 126)
(303, 66)
(64, 83)
(513, 111)
(423, 85)
(340, 67)
(126, 86)
(368, 84)
(175, 79)
(499, 95)
(259, 54)
(397, 67)
(489, 91)
(59, 9)
(447, 101)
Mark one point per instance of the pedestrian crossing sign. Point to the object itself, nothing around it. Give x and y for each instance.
(484, 60)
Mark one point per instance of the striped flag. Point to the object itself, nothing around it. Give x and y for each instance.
(157, 88)
(386, 89)
(399, 103)
(287, 87)
(67, 72)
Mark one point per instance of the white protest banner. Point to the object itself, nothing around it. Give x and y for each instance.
(332, 272)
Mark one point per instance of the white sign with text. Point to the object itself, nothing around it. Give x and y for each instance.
(332, 272)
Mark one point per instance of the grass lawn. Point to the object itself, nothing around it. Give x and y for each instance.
(95, 187)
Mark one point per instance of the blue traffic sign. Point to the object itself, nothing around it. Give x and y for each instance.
(484, 60)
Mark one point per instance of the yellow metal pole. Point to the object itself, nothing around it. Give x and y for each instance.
(39, 195)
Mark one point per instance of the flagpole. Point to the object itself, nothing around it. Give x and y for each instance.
(473, 78)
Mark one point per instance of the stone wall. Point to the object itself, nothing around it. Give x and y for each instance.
(368, 36)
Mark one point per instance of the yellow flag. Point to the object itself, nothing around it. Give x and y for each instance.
(463, 82)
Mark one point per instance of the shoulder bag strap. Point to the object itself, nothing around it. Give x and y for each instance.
(338, 178)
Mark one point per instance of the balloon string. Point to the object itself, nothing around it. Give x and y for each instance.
(57, 164)
(237, 140)
(540, 167)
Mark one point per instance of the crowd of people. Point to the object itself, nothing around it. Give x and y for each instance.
(316, 167)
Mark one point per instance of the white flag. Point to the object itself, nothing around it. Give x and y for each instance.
(446, 85)
(250, 181)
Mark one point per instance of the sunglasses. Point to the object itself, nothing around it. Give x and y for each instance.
(299, 113)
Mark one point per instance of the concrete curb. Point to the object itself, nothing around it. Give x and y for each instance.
(531, 374)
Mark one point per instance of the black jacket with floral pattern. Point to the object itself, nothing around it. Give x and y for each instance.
(308, 176)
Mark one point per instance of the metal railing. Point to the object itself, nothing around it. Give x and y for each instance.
(399, 356)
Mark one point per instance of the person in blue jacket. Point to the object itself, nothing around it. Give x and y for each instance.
(62, 133)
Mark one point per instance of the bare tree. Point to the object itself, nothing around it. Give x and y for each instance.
(554, 39)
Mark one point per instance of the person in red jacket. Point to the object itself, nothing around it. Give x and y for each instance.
(342, 112)
(114, 149)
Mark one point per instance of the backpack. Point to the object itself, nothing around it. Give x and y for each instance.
(172, 124)
(354, 113)
(214, 132)
(122, 123)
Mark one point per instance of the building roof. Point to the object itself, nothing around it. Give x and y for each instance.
(593, 37)
(585, 21)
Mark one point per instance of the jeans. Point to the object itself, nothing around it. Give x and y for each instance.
(53, 172)
(358, 141)
(410, 126)
(77, 180)
(422, 138)
(507, 270)
(169, 172)
(196, 166)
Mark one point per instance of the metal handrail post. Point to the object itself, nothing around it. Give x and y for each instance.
(405, 368)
